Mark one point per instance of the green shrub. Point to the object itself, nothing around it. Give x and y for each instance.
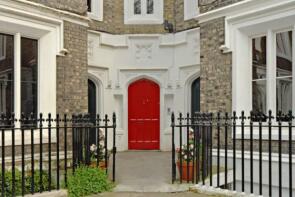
(37, 185)
(28, 178)
(86, 181)
(8, 183)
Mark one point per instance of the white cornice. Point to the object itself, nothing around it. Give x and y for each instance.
(240, 7)
(269, 11)
(166, 40)
(42, 12)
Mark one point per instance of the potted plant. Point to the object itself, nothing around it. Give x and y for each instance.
(187, 153)
(101, 154)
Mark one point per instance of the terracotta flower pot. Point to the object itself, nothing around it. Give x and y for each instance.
(191, 173)
(100, 165)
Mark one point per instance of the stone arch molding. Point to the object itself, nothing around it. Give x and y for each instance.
(144, 76)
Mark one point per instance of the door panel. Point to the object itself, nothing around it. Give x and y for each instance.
(144, 115)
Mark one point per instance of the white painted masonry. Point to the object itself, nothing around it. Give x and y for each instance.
(170, 60)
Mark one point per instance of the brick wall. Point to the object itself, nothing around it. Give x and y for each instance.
(216, 75)
(208, 5)
(75, 6)
(113, 19)
(72, 88)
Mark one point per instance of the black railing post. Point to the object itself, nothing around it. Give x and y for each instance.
(211, 147)
(234, 149)
(270, 153)
(3, 123)
(74, 137)
(195, 169)
(23, 121)
(290, 153)
(12, 120)
(251, 153)
(33, 122)
(180, 146)
(218, 149)
(280, 152)
(187, 147)
(260, 154)
(114, 147)
(98, 139)
(203, 149)
(65, 150)
(243, 153)
(49, 151)
(41, 152)
(106, 120)
(173, 147)
(57, 120)
(225, 148)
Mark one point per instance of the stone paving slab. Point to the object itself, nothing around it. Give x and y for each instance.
(122, 194)
(145, 171)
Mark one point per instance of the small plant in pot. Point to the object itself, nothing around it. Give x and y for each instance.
(188, 159)
(101, 156)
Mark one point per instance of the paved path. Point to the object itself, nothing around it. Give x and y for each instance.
(181, 194)
(145, 172)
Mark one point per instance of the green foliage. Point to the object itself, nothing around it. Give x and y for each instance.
(86, 181)
(37, 184)
(28, 178)
(8, 183)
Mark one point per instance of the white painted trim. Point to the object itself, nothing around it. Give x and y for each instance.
(96, 10)
(240, 7)
(131, 19)
(166, 40)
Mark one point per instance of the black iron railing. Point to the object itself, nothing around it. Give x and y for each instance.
(224, 144)
(46, 149)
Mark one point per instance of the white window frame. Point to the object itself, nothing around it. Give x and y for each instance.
(242, 69)
(96, 10)
(143, 18)
(191, 9)
(3, 46)
(49, 33)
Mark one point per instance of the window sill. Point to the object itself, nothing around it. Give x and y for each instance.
(143, 21)
(265, 133)
(95, 17)
(45, 139)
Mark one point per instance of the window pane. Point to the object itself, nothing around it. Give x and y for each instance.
(89, 5)
(284, 54)
(7, 74)
(150, 6)
(259, 75)
(259, 96)
(284, 95)
(284, 71)
(259, 58)
(137, 6)
(29, 65)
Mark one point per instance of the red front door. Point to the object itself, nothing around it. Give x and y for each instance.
(144, 115)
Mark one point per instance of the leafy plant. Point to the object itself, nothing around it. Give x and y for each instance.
(188, 150)
(8, 183)
(86, 181)
(28, 178)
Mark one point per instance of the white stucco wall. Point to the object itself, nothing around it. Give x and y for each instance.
(170, 60)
